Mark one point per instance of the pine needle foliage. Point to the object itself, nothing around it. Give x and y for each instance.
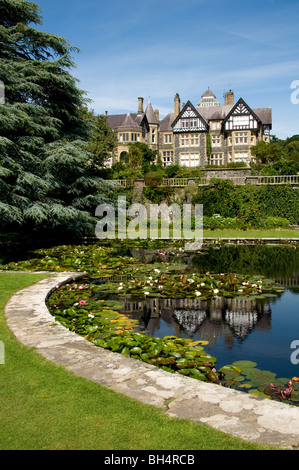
(49, 183)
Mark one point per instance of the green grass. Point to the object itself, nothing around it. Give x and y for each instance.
(251, 233)
(45, 407)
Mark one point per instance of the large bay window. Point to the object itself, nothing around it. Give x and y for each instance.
(190, 159)
(241, 156)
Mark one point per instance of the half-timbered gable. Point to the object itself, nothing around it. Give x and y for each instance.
(241, 117)
(190, 120)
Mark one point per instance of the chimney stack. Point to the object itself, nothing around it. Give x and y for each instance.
(140, 104)
(157, 114)
(229, 98)
(177, 105)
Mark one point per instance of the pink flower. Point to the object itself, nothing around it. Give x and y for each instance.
(82, 302)
(272, 386)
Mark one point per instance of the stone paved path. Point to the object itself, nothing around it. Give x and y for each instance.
(237, 413)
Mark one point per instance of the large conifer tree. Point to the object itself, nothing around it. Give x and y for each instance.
(48, 181)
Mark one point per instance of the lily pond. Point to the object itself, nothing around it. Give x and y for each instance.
(224, 313)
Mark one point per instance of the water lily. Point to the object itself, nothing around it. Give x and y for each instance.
(82, 302)
(216, 291)
(197, 293)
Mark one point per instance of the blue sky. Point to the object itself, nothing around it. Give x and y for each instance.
(159, 48)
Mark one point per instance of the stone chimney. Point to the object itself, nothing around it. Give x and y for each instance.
(229, 98)
(157, 114)
(177, 105)
(140, 104)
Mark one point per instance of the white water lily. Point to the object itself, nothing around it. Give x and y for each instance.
(146, 293)
(216, 291)
(197, 293)
(157, 270)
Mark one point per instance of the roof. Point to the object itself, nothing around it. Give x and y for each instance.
(125, 120)
(208, 93)
(151, 117)
(220, 112)
(214, 112)
(265, 114)
(165, 124)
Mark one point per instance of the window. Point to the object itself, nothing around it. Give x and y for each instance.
(135, 137)
(194, 140)
(189, 123)
(185, 140)
(216, 159)
(241, 138)
(241, 120)
(216, 141)
(168, 139)
(190, 159)
(193, 122)
(215, 125)
(167, 157)
(241, 156)
(189, 140)
(124, 137)
(153, 136)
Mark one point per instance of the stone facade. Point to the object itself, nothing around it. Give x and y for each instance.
(194, 136)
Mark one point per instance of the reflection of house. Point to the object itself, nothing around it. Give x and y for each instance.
(241, 322)
(190, 320)
(210, 319)
(191, 136)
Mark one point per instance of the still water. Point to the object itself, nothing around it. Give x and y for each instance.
(237, 329)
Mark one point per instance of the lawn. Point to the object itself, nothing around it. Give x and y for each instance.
(283, 234)
(45, 407)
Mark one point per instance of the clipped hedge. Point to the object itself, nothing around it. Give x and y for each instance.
(249, 203)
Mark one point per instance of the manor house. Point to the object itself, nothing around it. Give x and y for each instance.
(192, 136)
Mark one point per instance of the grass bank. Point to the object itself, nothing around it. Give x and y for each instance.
(277, 234)
(45, 407)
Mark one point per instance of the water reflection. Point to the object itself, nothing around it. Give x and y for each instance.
(207, 319)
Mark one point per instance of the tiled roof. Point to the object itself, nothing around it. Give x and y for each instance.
(151, 117)
(214, 112)
(125, 120)
(165, 124)
(265, 114)
(220, 112)
(208, 93)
